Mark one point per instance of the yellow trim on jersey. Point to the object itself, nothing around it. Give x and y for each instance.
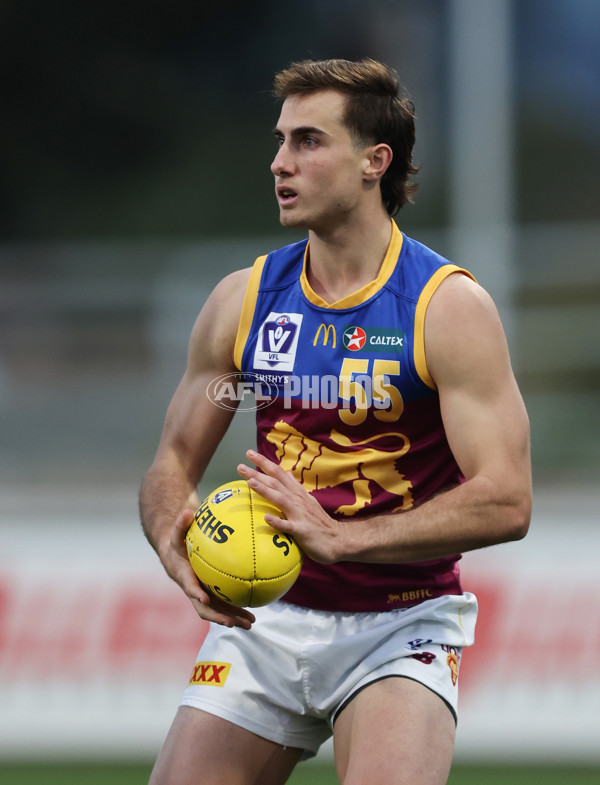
(423, 302)
(247, 313)
(366, 291)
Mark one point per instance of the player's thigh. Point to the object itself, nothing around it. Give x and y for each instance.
(394, 732)
(201, 749)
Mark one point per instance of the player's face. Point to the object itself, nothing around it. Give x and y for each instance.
(318, 168)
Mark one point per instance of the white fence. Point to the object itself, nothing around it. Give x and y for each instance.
(96, 644)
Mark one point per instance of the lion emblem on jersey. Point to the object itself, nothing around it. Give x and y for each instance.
(318, 466)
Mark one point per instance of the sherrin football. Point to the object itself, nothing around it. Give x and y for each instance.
(235, 553)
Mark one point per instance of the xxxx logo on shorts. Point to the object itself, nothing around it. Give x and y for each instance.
(211, 673)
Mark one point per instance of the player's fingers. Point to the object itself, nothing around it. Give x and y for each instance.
(220, 606)
(262, 484)
(280, 482)
(286, 524)
(258, 479)
(283, 500)
(212, 608)
(184, 575)
(210, 614)
(182, 524)
(272, 469)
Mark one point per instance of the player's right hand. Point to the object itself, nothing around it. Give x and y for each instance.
(177, 564)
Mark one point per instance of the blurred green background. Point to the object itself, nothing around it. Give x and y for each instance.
(305, 774)
(135, 152)
(135, 146)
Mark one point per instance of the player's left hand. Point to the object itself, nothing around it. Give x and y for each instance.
(318, 534)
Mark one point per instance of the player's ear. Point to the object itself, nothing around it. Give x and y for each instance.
(377, 160)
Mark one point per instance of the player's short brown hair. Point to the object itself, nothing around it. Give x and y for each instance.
(376, 111)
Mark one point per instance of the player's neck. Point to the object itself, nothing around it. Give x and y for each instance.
(348, 258)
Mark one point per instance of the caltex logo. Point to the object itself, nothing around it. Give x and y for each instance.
(354, 338)
(380, 340)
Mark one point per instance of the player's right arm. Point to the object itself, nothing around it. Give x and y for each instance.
(193, 428)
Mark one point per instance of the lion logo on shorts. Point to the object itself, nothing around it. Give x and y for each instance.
(318, 466)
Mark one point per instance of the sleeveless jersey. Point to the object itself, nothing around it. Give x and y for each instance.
(349, 407)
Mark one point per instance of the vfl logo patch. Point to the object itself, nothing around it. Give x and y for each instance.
(212, 673)
(277, 342)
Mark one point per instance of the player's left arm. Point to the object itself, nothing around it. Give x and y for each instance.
(488, 431)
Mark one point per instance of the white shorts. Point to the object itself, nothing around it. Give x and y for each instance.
(289, 676)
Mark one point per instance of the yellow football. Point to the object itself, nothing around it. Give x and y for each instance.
(235, 553)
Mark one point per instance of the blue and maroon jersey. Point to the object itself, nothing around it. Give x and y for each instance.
(354, 412)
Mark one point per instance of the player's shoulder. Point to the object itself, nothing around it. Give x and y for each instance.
(232, 286)
(460, 297)
(462, 328)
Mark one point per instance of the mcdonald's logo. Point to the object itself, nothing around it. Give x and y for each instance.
(327, 328)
